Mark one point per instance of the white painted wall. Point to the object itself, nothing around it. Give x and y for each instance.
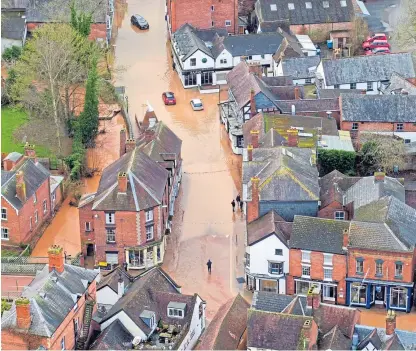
(127, 323)
(225, 55)
(106, 296)
(279, 69)
(198, 55)
(303, 81)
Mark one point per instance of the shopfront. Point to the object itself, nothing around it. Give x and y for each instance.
(145, 257)
(262, 282)
(328, 289)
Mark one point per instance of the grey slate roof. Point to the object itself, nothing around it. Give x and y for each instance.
(371, 68)
(302, 15)
(34, 175)
(265, 226)
(335, 93)
(278, 81)
(399, 84)
(188, 42)
(145, 186)
(378, 108)
(111, 279)
(114, 337)
(253, 44)
(400, 340)
(13, 28)
(299, 67)
(272, 302)
(49, 312)
(334, 340)
(318, 234)
(309, 105)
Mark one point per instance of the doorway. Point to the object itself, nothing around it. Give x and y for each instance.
(380, 295)
(90, 249)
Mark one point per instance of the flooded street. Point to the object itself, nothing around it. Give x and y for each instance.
(204, 225)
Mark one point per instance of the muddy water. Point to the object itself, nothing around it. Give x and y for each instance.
(205, 227)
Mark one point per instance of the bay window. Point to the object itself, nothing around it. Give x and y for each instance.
(276, 267)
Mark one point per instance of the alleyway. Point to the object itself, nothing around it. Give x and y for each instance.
(205, 227)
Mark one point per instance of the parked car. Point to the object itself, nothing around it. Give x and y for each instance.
(139, 21)
(197, 105)
(376, 44)
(377, 36)
(168, 98)
(377, 51)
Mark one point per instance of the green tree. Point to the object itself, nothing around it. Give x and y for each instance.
(11, 54)
(81, 22)
(329, 160)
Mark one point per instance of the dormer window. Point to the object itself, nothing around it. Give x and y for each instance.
(176, 309)
(149, 318)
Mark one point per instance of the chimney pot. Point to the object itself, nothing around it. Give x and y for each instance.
(363, 92)
(250, 152)
(23, 316)
(56, 259)
(379, 176)
(120, 288)
(122, 182)
(314, 297)
(30, 151)
(255, 138)
(390, 322)
(297, 93)
(292, 137)
(20, 186)
(345, 240)
(130, 145)
(253, 108)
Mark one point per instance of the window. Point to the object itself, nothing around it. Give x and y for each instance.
(227, 23)
(358, 293)
(398, 272)
(302, 287)
(35, 198)
(336, 86)
(189, 78)
(63, 343)
(354, 126)
(240, 141)
(223, 61)
(399, 126)
(212, 8)
(4, 234)
(36, 216)
(328, 292)
(212, 23)
(398, 297)
(149, 233)
(369, 86)
(353, 86)
(325, 4)
(273, 7)
(87, 226)
(193, 61)
(276, 267)
(306, 271)
(45, 206)
(110, 218)
(175, 313)
(250, 57)
(328, 259)
(308, 5)
(359, 266)
(278, 252)
(340, 215)
(4, 214)
(149, 215)
(247, 259)
(343, 3)
(327, 273)
(306, 256)
(111, 235)
(379, 267)
(308, 81)
(291, 6)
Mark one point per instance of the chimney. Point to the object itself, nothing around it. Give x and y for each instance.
(20, 186)
(255, 69)
(9, 163)
(390, 322)
(23, 317)
(173, 16)
(363, 92)
(329, 114)
(120, 288)
(56, 259)
(313, 158)
(122, 182)
(314, 297)
(149, 135)
(130, 145)
(306, 331)
(292, 137)
(123, 139)
(253, 108)
(254, 138)
(297, 93)
(250, 153)
(253, 205)
(345, 240)
(379, 177)
(30, 151)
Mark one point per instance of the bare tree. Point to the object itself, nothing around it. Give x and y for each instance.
(359, 33)
(405, 31)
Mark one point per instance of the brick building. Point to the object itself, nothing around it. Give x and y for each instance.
(318, 257)
(25, 197)
(55, 310)
(203, 14)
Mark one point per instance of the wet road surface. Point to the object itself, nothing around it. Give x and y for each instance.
(204, 225)
(377, 318)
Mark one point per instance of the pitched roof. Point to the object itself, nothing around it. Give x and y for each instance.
(52, 296)
(335, 93)
(309, 105)
(399, 84)
(111, 279)
(400, 340)
(145, 186)
(369, 68)
(318, 234)
(227, 327)
(278, 10)
(34, 175)
(300, 67)
(378, 108)
(278, 81)
(265, 226)
(272, 139)
(245, 7)
(271, 302)
(334, 340)
(274, 26)
(253, 44)
(13, 28)
(114, 337)
(287, 92)
(290, 46)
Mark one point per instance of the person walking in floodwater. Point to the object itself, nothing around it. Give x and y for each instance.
(233, 204)
(241, 206)
(238, 199)
(209, 264)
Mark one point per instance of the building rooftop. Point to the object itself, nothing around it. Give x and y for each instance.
(300, 67)
(269, 224)
(111, 279)
(13, 28)
(114, 337)
(399, 85)
(337, 142)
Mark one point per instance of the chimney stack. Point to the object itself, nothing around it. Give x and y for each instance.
(123, 138)
(306, 331)
(314, 297)
(130, 145)
(120, 288)
(292, 137)
(297, 93)
(390, 322)
(23, 317)
(30, 151)
(20, 186)
(10, 161)
(122, 182)
(254, 138)
(253, 108)
(345, 239)
(379, 177)
(56, 259)
(363, 92)
(253, 205)
(250, 153)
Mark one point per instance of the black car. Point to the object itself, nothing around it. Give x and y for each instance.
(139, 21)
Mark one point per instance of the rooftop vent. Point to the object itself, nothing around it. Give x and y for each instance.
(273, 7)
(55, 279)
(42, 295)
(291, 6)
(325, 4)
(308, 5)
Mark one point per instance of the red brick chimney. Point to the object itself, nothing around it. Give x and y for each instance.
(56, 259)
(123, 138)
(255, 138)
(297, 93)
(255, 69)
(8, 164)
(292, 137)
(253, 108)
(130, 145)
(122, 182)
(345, 239)
(250, 152)
(23, 317)
(379, 177)
(30, 151)
(390, 322)
(253, 205)
(20, 186)
(313, 298)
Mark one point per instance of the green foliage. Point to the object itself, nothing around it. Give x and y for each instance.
(343, 161)
(75, 161)
(22, 301)
(12, 53)
(81, 22)
(5, 306)
(368, 158)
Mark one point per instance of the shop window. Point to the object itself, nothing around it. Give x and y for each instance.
(269, 285)
(358, 293)
(398, 297)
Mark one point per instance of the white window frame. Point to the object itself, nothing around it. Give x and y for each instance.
(369, 86)
(354, 126)
(328, 259)
(306, 266)
(326, 270)
(88, 226)
(4, 211)
(395, 269)
(282, 264)
(273, 7)
(306, 256)
(110, 233)
(36, 216)
(45, 206)
(151, 232)
(5, 230)
(337, 215)
(76, 324)
(192, 62)
(110, 218)
(172, 311)
(325, 4)
(276, 254)
(356, 267)
(149, 215)
(247, 259)
(324, 296)
(399, 127)
(63, 343)
(400, 290)
(343, 3)
(291, 6)
(228, 23)
(308, 4)
(377, 263)
(223, 61)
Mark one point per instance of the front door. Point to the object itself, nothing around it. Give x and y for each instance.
(206, 78)
(380, 294)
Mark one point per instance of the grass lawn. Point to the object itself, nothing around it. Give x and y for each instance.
(11, 120)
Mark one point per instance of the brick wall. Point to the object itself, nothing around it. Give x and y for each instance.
(329, 211)
(378, 127)
(86, 214)
(320, 31)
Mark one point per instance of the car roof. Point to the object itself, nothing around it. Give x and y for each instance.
(377, 34)
(139, 17)
(380, 41)
(197, 101)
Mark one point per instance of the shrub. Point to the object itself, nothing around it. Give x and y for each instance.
(5, 306)
(343, 161)
(12, 53)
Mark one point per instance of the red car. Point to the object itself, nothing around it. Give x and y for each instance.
(378, 51)
(375, 45)
(376, 36)
(169, 98)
